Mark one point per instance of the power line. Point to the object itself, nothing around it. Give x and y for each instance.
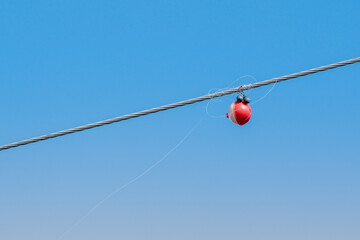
(179, 104)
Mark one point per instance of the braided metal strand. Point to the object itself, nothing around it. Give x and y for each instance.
(179, 104)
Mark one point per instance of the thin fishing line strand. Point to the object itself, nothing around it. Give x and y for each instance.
(110, 195)
(180, 104)
(268, 92)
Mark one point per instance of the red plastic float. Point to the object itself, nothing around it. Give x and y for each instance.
(240, 111)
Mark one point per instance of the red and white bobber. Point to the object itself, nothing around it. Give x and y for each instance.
(240, 111)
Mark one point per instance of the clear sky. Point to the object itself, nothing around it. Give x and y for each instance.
(291, 173)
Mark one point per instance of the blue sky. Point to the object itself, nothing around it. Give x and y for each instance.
(291, 173)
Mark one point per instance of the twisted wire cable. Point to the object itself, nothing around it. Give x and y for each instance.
(179, 104)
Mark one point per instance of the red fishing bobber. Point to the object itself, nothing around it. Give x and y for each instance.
(240, 111)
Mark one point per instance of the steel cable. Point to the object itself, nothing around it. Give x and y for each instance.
(179, 104)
